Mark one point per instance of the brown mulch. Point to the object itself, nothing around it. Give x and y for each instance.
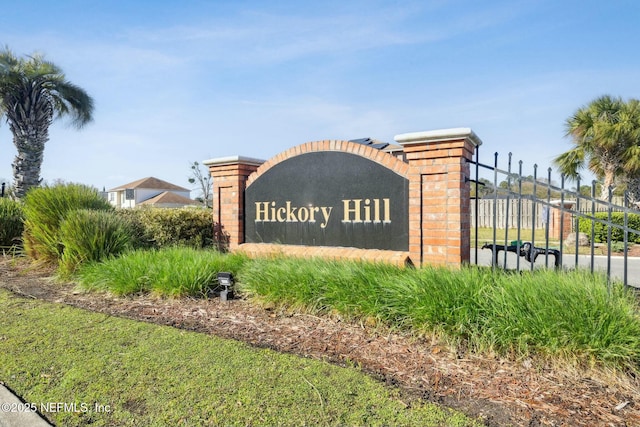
(499, 391)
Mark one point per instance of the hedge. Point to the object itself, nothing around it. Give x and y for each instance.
(164, 227)
(617, 234)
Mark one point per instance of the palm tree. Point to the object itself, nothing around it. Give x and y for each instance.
(606, 138)
(33, 93)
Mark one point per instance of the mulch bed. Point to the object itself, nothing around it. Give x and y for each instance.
(498, 390)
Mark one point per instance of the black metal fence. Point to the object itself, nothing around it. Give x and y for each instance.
(598, 237)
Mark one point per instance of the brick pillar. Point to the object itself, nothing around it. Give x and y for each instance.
(229, 182)
(559, 225)
(439, 193)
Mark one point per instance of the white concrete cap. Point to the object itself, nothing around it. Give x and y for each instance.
(232, 160)
(438, 135)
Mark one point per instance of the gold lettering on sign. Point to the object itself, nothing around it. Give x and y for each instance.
(348, 210)
(263, 213)
(355, 211)
(326, 212)
(360, 210)
(271, 212)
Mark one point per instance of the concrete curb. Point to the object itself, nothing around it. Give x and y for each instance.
(13, 414)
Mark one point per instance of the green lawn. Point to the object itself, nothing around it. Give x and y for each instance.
(127, 373)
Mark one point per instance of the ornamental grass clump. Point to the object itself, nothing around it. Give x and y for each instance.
(44, 210)
(567, 314)
(11, 223)
(170, 272)
(90, 235)
(570, 315)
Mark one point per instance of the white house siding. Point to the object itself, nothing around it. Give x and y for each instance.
(117, 196)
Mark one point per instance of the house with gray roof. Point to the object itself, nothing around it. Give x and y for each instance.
(150, 191)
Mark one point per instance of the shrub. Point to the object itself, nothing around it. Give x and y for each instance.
(617, 234)
(11, 222)
(141, 238)
(90, 235)
(163, 227)
(45, 208)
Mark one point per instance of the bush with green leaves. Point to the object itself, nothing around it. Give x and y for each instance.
(11, 222)
(600, 234)
(91, 235)
(164, 227)
(45, 208)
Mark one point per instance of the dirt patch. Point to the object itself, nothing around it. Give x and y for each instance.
(633, 250)
(501, 392)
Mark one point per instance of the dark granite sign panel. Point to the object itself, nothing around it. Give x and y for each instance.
(329, 198)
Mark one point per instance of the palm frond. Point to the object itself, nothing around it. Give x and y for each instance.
(26, 82)
(605, 135)
(570, 163)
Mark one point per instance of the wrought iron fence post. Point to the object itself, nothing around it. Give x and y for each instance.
(609, 240)
(506, 216)
(519, 220)
(476, 215)
(626, 234)
(593, 225)
(547, 219)
(562, 219)
(533, 212)
(577, 224)
(495, 205)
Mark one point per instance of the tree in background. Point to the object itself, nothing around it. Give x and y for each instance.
(606, 139)
(525, 186)
(484, 187)
(203, 180)
(33, 93)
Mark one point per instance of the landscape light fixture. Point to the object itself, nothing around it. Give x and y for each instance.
(225, 283)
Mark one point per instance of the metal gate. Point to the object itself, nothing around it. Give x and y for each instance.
(536, 223)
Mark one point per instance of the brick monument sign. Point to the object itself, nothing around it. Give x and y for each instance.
(406, 204)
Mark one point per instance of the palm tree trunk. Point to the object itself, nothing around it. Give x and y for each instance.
(29, 140)
(609, 181)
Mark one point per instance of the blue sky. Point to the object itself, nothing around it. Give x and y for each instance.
(182, 81)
